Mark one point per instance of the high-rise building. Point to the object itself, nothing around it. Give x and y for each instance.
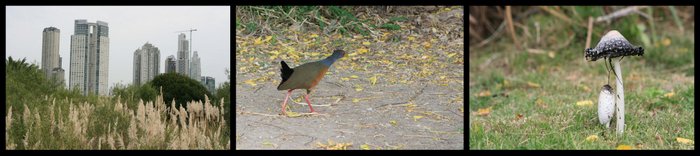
(89, 60)
(195, 67)
(50, 59)
(183, 55)
(58, 74)
(170, 64)
(209, 83)
(146, 63)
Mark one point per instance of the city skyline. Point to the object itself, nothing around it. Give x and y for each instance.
(129, 28)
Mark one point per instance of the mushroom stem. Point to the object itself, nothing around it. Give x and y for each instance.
(620, 97)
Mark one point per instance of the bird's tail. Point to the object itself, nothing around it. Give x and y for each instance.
(286, 72)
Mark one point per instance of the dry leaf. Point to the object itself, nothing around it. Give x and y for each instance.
(533, 85)
(427, 45)
(592, 138)
(364, 147)
(624, 147)
(518, 116)
(416, 117)
(258, 41)
(540, 103)
(586, 88)
(358, 88)
(450, 55)
(334, 146)
(251, 82)
(355, 100)
(267, 38)
(585, 103)
(484, 111)
(684, 140)
(669, 95)
(551, 54)
(666, 42)
(373, 80)
(393, 122)
(362, 50)
(366, 43)
(411, 38)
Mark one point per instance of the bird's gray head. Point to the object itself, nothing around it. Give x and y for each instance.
(338, 53)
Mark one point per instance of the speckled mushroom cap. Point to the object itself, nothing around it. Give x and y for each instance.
(612, 45)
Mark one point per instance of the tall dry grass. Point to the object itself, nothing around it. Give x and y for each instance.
(112, 125)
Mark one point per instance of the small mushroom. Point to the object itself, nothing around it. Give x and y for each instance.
(614, 45)
(606, 105)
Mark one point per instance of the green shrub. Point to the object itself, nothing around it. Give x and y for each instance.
(179, 88)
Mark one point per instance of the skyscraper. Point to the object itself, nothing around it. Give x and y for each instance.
(89, 60)
(195, 67)
(146, 63)
(209, 83)
(58, 74)
(170, 64)
(50, 58)
(183, 55)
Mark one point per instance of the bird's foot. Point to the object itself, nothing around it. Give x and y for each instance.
(305, 104)
(295, 114)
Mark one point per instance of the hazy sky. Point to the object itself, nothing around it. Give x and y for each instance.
(129, 29)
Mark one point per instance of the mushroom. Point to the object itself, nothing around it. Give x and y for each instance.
(606, 105)
(614, 45)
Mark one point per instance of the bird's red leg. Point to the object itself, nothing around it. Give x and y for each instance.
(284, 105)
(307, 102)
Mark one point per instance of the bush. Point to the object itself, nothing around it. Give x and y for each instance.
(179, 88)
(133, 93)
(224, 92)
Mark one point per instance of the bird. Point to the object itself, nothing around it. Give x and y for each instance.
(305, 76)
(606, 105)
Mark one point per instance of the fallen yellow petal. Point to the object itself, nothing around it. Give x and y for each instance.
(393, 122)
(484, 93)
(624, 147)
(484, 111)
(584, 103)
(669, 95)
(366, 43)
(355, 100)
(684, 140)
(592, 138)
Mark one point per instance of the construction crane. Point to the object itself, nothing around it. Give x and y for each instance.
(188, 54)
